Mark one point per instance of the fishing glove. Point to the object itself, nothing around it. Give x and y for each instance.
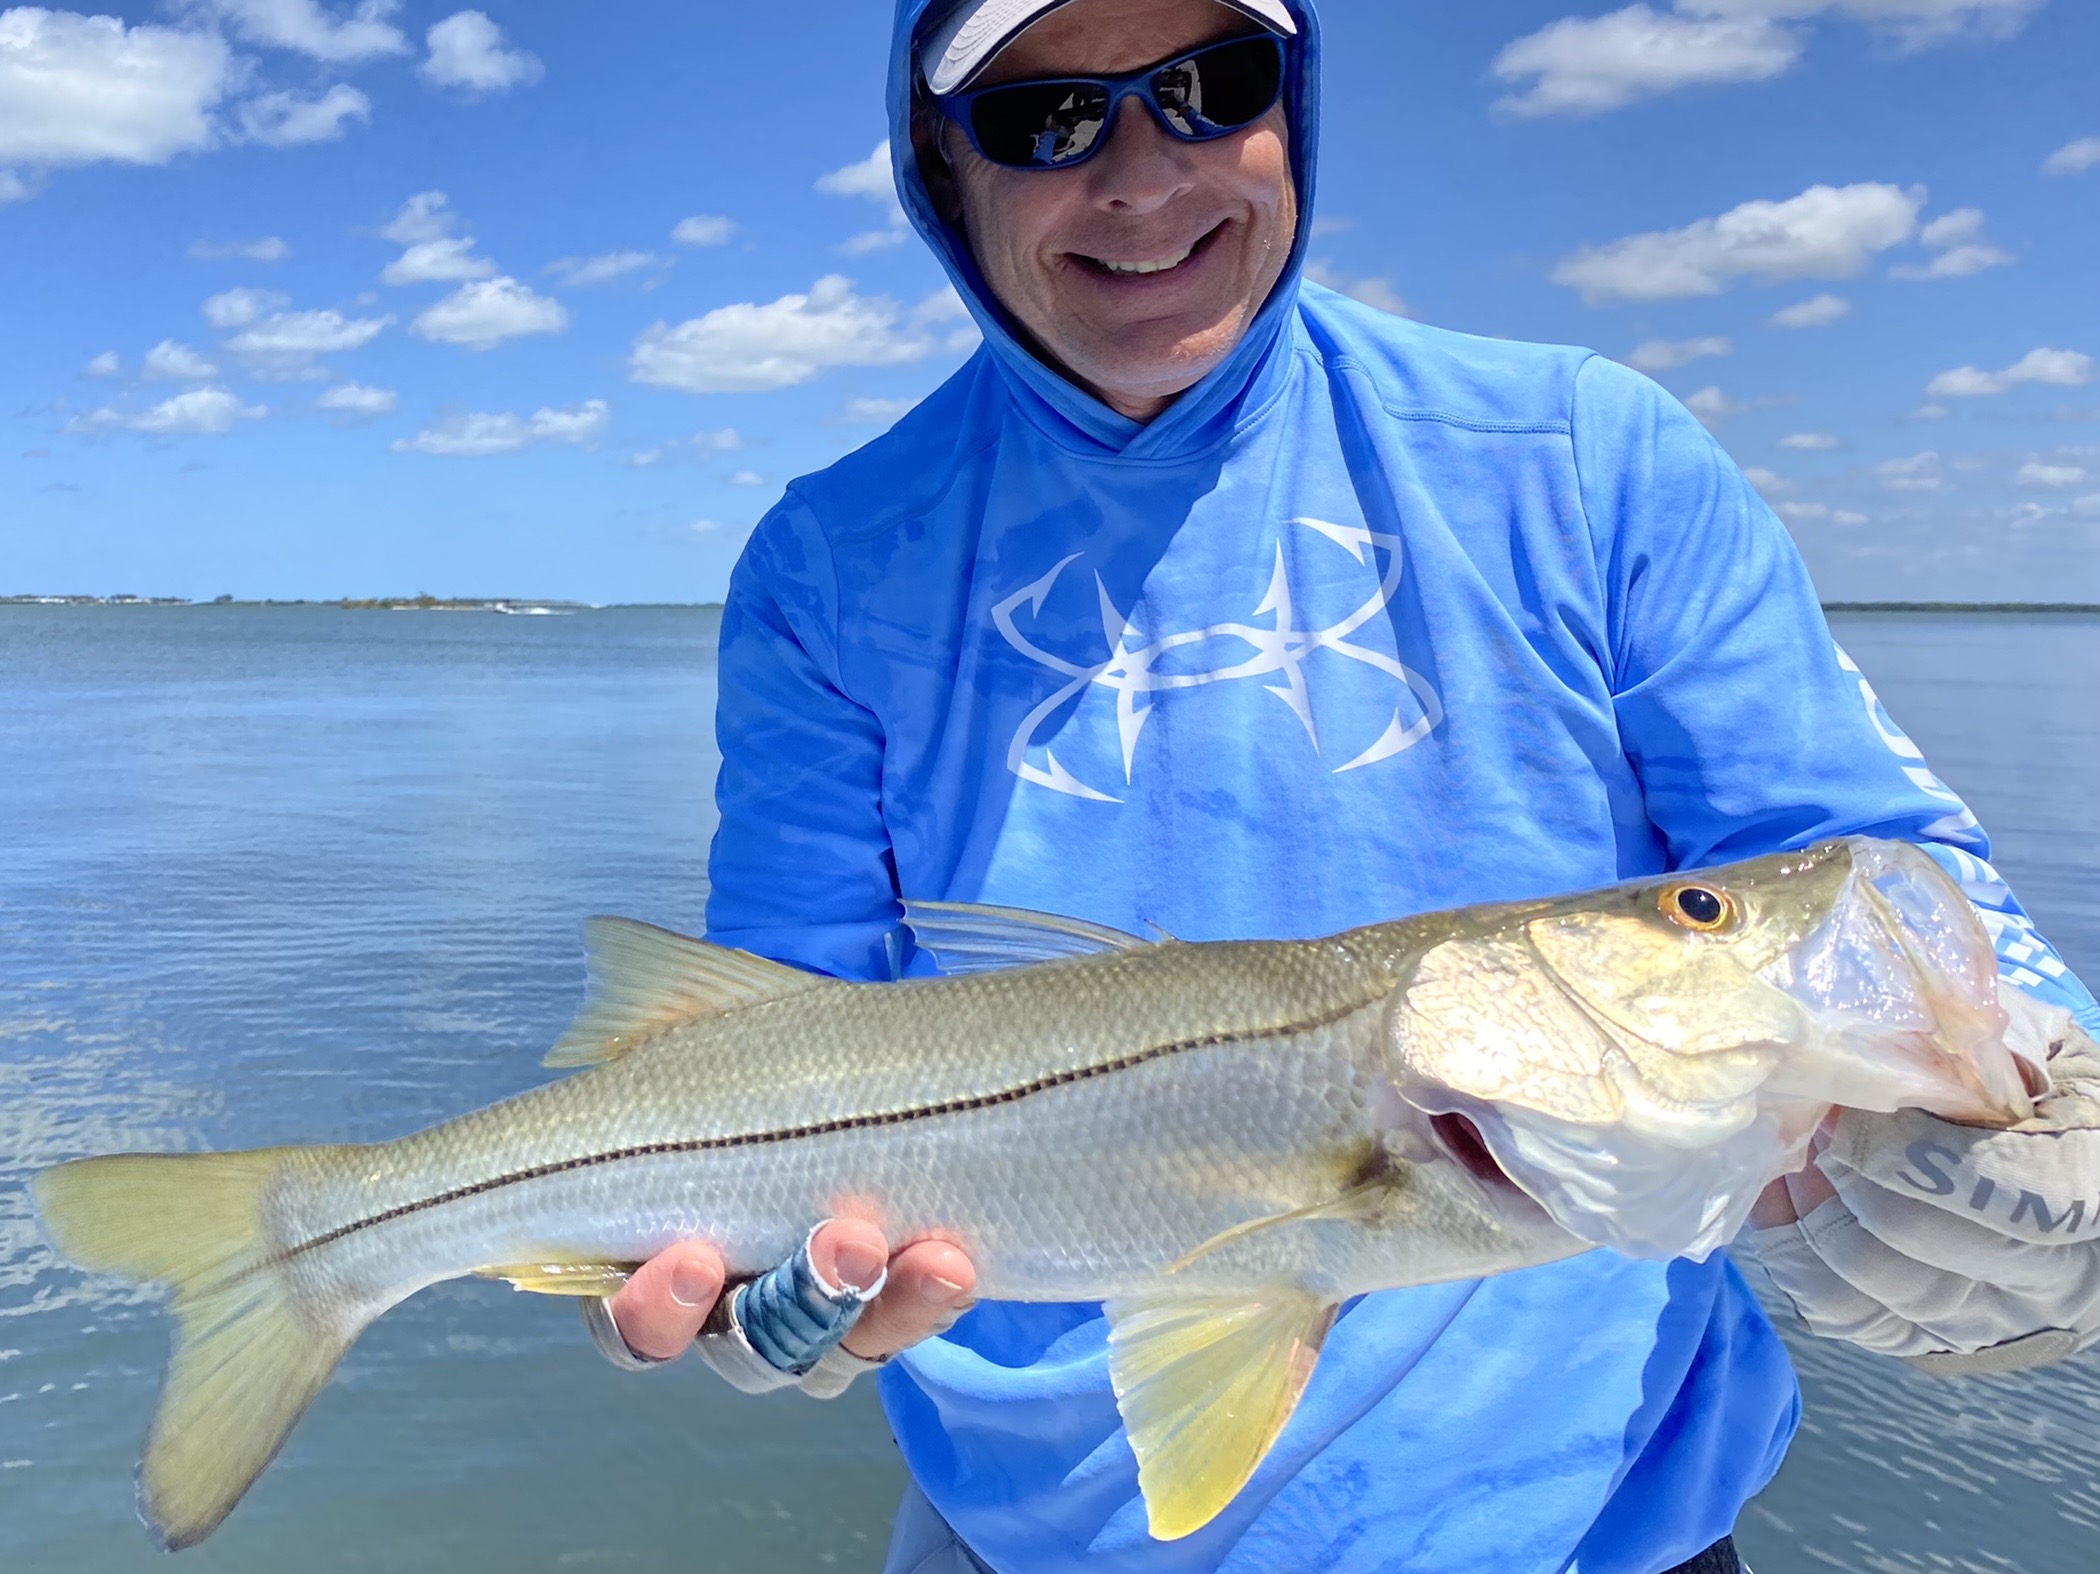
(780, 1330)
(1957, 1248)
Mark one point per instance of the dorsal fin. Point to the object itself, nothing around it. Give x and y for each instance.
(966, 938)
(644, 980)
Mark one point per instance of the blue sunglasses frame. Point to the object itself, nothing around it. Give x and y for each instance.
(1142, 84)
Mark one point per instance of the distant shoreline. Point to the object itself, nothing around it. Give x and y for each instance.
(538, 604)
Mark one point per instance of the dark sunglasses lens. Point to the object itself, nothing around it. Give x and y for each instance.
(1219, 90)
(1038, 125)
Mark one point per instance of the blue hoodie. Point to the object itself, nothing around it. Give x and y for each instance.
(1374, 620)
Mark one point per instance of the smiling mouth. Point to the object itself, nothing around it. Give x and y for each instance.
(1148, 267)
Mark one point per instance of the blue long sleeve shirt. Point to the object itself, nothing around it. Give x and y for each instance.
(1376, 620)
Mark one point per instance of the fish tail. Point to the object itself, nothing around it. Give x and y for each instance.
(249, 1356)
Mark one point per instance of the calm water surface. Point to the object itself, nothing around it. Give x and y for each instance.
(301, 874)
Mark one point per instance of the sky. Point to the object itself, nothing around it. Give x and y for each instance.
(378, 297)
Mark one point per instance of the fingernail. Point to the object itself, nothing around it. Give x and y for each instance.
(940, 1292)
(858, 1264)
(693, 1287)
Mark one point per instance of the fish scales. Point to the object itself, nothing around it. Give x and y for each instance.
(1015, 1112)
(1222, 1141)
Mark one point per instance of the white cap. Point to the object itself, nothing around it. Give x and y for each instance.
(976, 30)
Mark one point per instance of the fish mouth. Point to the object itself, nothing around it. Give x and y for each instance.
(1642, 1086)
(1900, 984)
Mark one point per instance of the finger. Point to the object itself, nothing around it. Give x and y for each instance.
(849, 1252)
(930, 1285)
(662, 1308)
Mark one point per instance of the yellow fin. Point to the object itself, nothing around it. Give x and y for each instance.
(1364, 1202)
(248, 1359)
(1205, 1386)
(564, 1278)
(644, 980)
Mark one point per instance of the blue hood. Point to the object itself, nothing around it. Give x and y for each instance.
(1072, 414)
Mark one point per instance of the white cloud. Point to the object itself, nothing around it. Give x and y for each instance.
(286, 344)
(2073, 158)
(284, 120)
(13, 188)
(2087, 507)
(75, 89)
(1587, 65)
(426, 216)
(603, 269)
(305, 28)
(725, 440)
(1930, 412)
(703, 229)
(467, 51)
(169, 362)
(355, 399)
(238, 308)
(747, 478)
(1919, 473)
(206, 411)
(1817, 514)
(1374, 290)
(871, 180)
(1818, 311)
(1964, 251)
(477, 436)
(878, 412)
(107, 364)
(2058, 368)
(1713, 407)
(1666, 355)
(449, 261)
(749, 347)
(485, 314)
(1810, 442)
(1827, 232)
(1953, 229)
(2035, 473)
(1769, 482)
(1913, 23)
(271, 248)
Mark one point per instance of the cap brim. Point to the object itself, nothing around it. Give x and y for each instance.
(964, 44)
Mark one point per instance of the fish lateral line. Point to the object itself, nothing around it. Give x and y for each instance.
(826, 1128)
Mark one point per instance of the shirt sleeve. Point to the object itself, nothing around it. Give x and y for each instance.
(1750, 729)
(801, 868)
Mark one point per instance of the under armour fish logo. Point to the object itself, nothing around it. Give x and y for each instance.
(1130, 667)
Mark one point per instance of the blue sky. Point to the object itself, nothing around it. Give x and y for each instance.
(551, 299)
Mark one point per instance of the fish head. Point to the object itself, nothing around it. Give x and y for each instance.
(1643, 1061)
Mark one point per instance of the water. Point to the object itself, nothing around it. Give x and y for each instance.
(295, 873)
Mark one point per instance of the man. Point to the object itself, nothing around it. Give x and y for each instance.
(1203, 598)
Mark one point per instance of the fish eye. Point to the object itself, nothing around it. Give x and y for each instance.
(1700, 907)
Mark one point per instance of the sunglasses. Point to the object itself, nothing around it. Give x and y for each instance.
(1063, 121)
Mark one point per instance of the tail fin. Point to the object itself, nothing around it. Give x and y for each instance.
(247, 1361)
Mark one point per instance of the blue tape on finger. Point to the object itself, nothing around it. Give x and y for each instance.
(791, 1317)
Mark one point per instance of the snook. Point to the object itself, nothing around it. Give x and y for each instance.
(1222, 1141)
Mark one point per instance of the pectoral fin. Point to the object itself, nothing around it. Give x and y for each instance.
(1205, 1386)
(564, 1278)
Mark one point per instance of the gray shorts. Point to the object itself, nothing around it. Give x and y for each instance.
(923, 1543)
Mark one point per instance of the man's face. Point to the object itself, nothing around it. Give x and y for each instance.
(1057, 246)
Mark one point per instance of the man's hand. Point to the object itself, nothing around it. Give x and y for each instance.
(1955, 1247)
(670, 1297)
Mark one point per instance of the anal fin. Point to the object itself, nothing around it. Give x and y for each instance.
(1205, 1386)
(564, 1278)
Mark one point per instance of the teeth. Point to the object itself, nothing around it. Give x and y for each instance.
(1160, 266)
